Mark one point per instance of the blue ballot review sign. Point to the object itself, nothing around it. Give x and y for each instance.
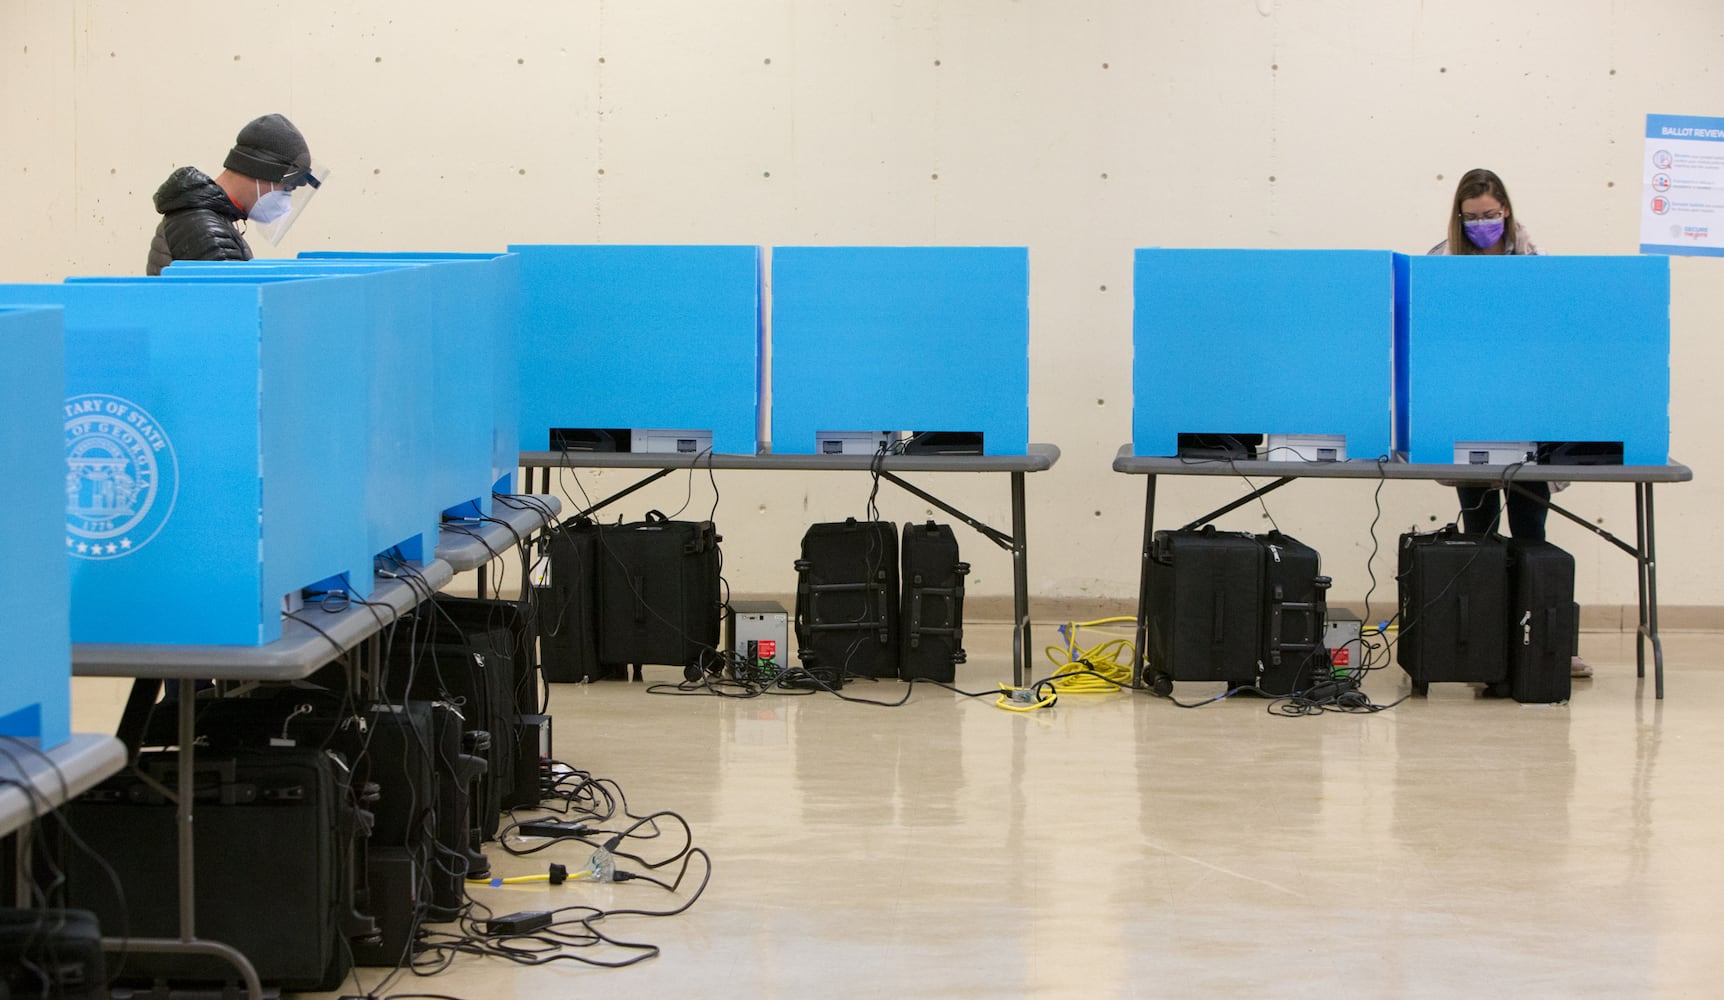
(1682, 188)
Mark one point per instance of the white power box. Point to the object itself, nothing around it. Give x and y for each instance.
(1341, 633)
(1495, 452)
(670, 441)
(853, 442)
(1305, 448)
(758, 641)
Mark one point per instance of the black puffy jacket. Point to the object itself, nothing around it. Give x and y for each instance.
(197, 222)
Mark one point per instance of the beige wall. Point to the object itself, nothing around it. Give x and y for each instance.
(1080, 129)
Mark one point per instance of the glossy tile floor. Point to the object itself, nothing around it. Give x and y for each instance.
(1120, 846)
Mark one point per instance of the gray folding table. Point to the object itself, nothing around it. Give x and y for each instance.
(1642, 477)
(1039, 458)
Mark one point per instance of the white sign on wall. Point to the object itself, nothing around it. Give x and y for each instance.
(1682, 191)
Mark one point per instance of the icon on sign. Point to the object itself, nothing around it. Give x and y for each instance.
(1660, 205)
(1662, 159)
(1660, 182)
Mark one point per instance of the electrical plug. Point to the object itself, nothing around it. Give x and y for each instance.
(602, 866)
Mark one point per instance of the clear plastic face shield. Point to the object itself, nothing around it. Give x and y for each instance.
(302, 187)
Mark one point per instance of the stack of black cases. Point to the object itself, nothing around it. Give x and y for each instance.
(348, 823)
(406, 839)
(847, 600)
(1205, 606)
(478, 656)
(274, 871)
(862, 610)
(569, 606)
(1296, 605)
(931, 616)
(1234, 607)
(658, 593)
(622, 594)
(51, 953)
(1543, 621)
(1478, 609)
(1453, 592)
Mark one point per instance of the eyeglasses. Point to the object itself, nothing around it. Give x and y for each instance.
(1490, 216)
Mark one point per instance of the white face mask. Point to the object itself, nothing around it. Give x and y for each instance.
(270, 206)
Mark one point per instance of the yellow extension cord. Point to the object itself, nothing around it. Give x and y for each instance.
(1075, 665)
(525, 879)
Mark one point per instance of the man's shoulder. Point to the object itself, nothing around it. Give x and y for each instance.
(189, 189)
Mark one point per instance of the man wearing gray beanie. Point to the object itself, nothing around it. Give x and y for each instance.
(199, 215)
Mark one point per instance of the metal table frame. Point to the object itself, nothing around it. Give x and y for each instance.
(34, 782)
(1642, 477)
(300, 652)
(1039, 458)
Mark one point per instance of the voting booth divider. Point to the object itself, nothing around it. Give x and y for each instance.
(1290, 342)
(457, 317)
(237, 432)
(922, 339)
(202, 486)
(476, 301)
(36, 672)
(1405, 357)
(390, 319)
(1536, 348)
(640, 338)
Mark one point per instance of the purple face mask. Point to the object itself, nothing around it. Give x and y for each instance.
(1484, 233)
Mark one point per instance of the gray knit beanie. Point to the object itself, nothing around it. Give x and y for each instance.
(270, 149)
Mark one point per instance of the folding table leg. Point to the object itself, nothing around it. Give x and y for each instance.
(1142, 637)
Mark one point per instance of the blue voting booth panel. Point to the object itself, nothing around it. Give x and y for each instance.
(392, 320)
(1262, 342)
(900, 339)
(1534, 349)
(640, 337)
(36, 668)
(477, 379)
(203, 478)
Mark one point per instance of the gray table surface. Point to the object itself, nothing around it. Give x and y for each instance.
(1039, 458)
(1671, 473)
(468, 544)
(63, 773)
(310, 640)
